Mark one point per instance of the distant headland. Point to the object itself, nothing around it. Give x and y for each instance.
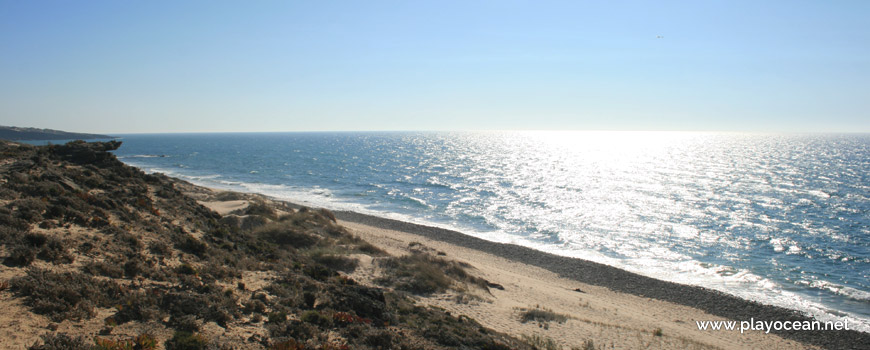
(18, 134)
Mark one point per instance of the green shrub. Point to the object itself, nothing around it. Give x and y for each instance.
(315, 318)
(160, 248)
(24, 248)
(423, 273)
(187, 269)
(144, 341)
(182, 340)
(285, 234)
(230, 196)
(189, 244)
(259, 208)
(542, 315)
(140, 307)
(101, 268)
(112, 344)
(68, 295)
(20, 255)
(277, 317)
(334, 260)
(290, 344)
(186, 323)
(61, 341)
(540, 342)
(379, 339)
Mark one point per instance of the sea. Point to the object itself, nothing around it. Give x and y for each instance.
(783, 219)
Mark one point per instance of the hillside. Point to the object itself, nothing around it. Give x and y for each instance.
(97, 253)
(19, 134)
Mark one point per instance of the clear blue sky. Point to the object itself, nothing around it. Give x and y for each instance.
(188, 66)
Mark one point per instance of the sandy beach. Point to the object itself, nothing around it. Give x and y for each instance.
(607, 318)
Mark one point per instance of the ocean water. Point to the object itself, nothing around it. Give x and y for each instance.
(781, 219)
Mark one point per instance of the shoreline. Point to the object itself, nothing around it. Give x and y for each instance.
(710, 301)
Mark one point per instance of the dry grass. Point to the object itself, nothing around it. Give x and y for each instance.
(423, 273)
(541, 315)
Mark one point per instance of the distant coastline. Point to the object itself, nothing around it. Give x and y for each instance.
(13, 133)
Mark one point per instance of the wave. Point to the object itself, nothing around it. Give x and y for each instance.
(846, 291)
(145, 156)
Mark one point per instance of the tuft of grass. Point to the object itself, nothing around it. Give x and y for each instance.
(145, 341)
(230, 196)
(423, 273)
(102, 268)
(187, 269)
(112, 344)
(588, 344)
(541, 315)
(333, 259)
(182, 340)
(277, 317)
(657, 332)
(189, 244)
(285, 234)
(28, 247)
(260, 208)
(68, 295)
(315, 318)
(541, 342)
(291, 344)
(61, 341)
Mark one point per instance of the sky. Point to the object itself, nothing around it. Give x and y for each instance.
(223, 66)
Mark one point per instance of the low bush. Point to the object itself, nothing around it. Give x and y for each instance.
(542, 315)
(25, 248)
(315, 318)
(189, 244)
(186, 323)
(423, 273)
(61, 341)
(160, 248)
(68, 295)
(230, 196)
(182, 340)
(290, 344)
(541, 342)
(334, 260)
(259, 208)
(140, 307)
(285, 234)
(20, 255)
(102, 268)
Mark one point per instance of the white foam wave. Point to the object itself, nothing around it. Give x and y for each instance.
(846, 291)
